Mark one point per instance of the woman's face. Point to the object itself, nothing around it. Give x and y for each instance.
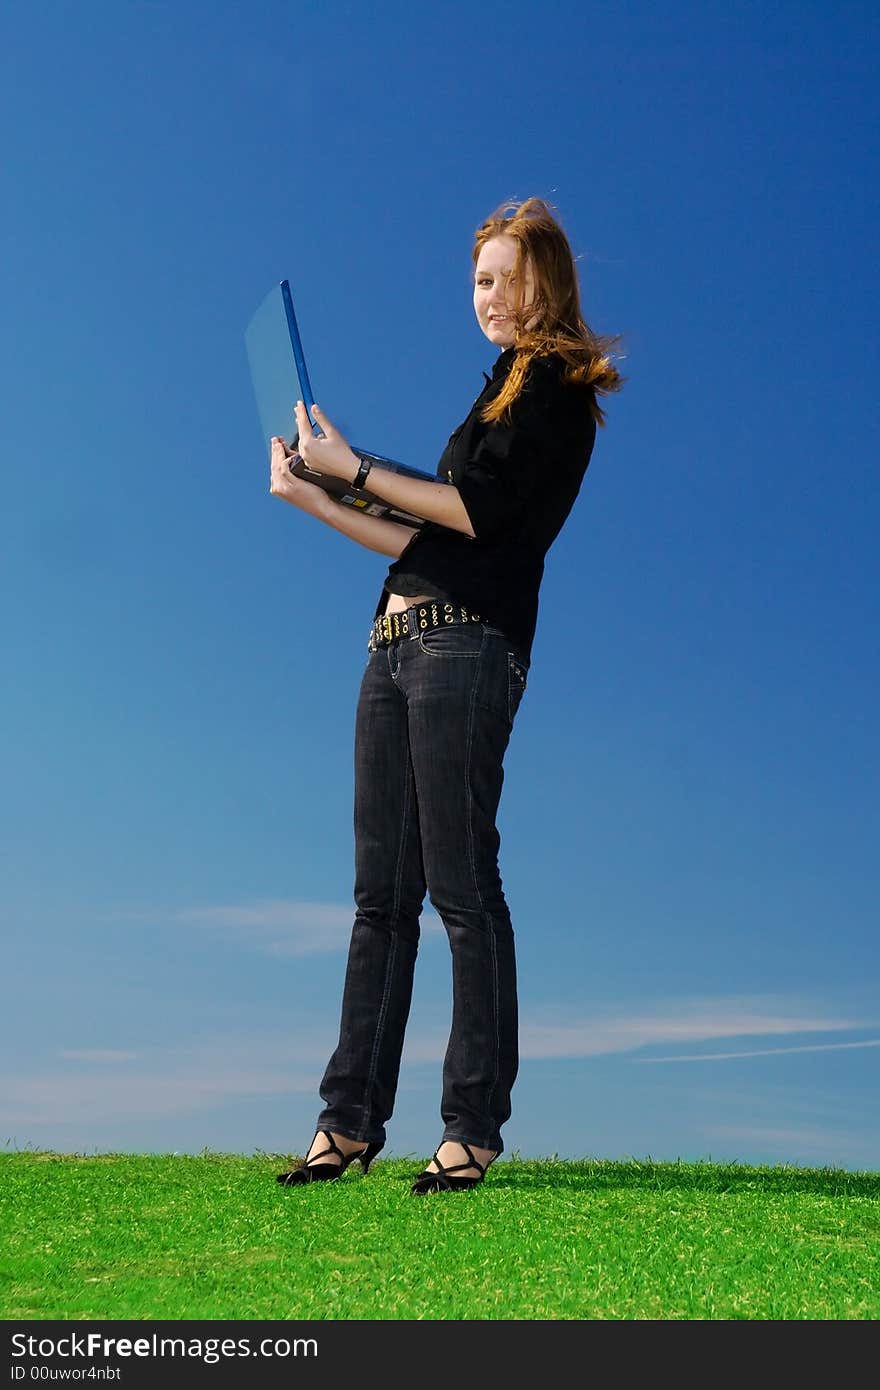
(494, 290)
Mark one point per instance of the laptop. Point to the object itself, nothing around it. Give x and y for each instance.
(280, 377)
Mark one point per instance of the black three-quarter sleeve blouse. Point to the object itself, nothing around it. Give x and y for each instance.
(518, 483)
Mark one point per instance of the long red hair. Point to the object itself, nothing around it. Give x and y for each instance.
(562, 328)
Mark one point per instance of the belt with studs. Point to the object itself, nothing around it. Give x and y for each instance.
(411, 622)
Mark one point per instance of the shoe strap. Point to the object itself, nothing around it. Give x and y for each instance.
(333, 1149)
(454, 1167)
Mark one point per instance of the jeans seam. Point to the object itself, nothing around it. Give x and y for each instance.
(486, 916)
(445, 656)
(380, 1026)
(395, 916)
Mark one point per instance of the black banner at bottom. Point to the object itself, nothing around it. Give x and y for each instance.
(168, 1354)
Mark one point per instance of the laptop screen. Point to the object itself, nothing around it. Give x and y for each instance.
(278, 379)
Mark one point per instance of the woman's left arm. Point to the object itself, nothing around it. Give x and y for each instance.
(437, 502)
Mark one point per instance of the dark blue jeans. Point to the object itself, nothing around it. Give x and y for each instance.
(434, 719)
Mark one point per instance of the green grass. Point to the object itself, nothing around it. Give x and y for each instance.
(158, 1237)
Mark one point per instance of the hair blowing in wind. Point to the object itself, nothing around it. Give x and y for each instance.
(562, 327)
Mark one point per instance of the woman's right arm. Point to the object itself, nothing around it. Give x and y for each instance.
(387, 537)
(374, 532)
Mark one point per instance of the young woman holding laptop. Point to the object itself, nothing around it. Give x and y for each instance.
(449, 653)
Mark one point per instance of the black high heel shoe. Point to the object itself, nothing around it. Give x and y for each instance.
(441, 1182)
(313, 1171)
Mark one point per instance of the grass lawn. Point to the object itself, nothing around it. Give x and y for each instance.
(160, 1237)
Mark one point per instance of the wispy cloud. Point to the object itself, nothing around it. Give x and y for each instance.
(280, 926)
(61, 1097)
(829, 1143)
(690, 1021)
(758, 1052)
(276, 926)
(97, 1084)
(97, 1054)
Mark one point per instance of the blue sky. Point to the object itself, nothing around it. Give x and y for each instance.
(690, 813)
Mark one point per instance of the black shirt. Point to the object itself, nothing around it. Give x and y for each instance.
(518, 483)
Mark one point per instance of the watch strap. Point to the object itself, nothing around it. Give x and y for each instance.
(361, 476)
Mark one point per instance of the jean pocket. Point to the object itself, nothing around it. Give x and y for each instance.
(460, 639)
(517, 678)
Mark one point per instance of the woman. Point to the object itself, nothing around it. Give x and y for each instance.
(449, 653)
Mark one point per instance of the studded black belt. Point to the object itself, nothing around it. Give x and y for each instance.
(415, 620)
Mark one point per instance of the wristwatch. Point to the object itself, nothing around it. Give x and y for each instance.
(361, 476)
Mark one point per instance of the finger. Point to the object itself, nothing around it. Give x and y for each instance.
(305, 433)
(323, 421)
(279, 463)
(304, 424)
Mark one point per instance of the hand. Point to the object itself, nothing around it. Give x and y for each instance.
(330, 455)
(284, 484)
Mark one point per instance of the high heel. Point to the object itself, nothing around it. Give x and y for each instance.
(313, 1171)
(441, 1182)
